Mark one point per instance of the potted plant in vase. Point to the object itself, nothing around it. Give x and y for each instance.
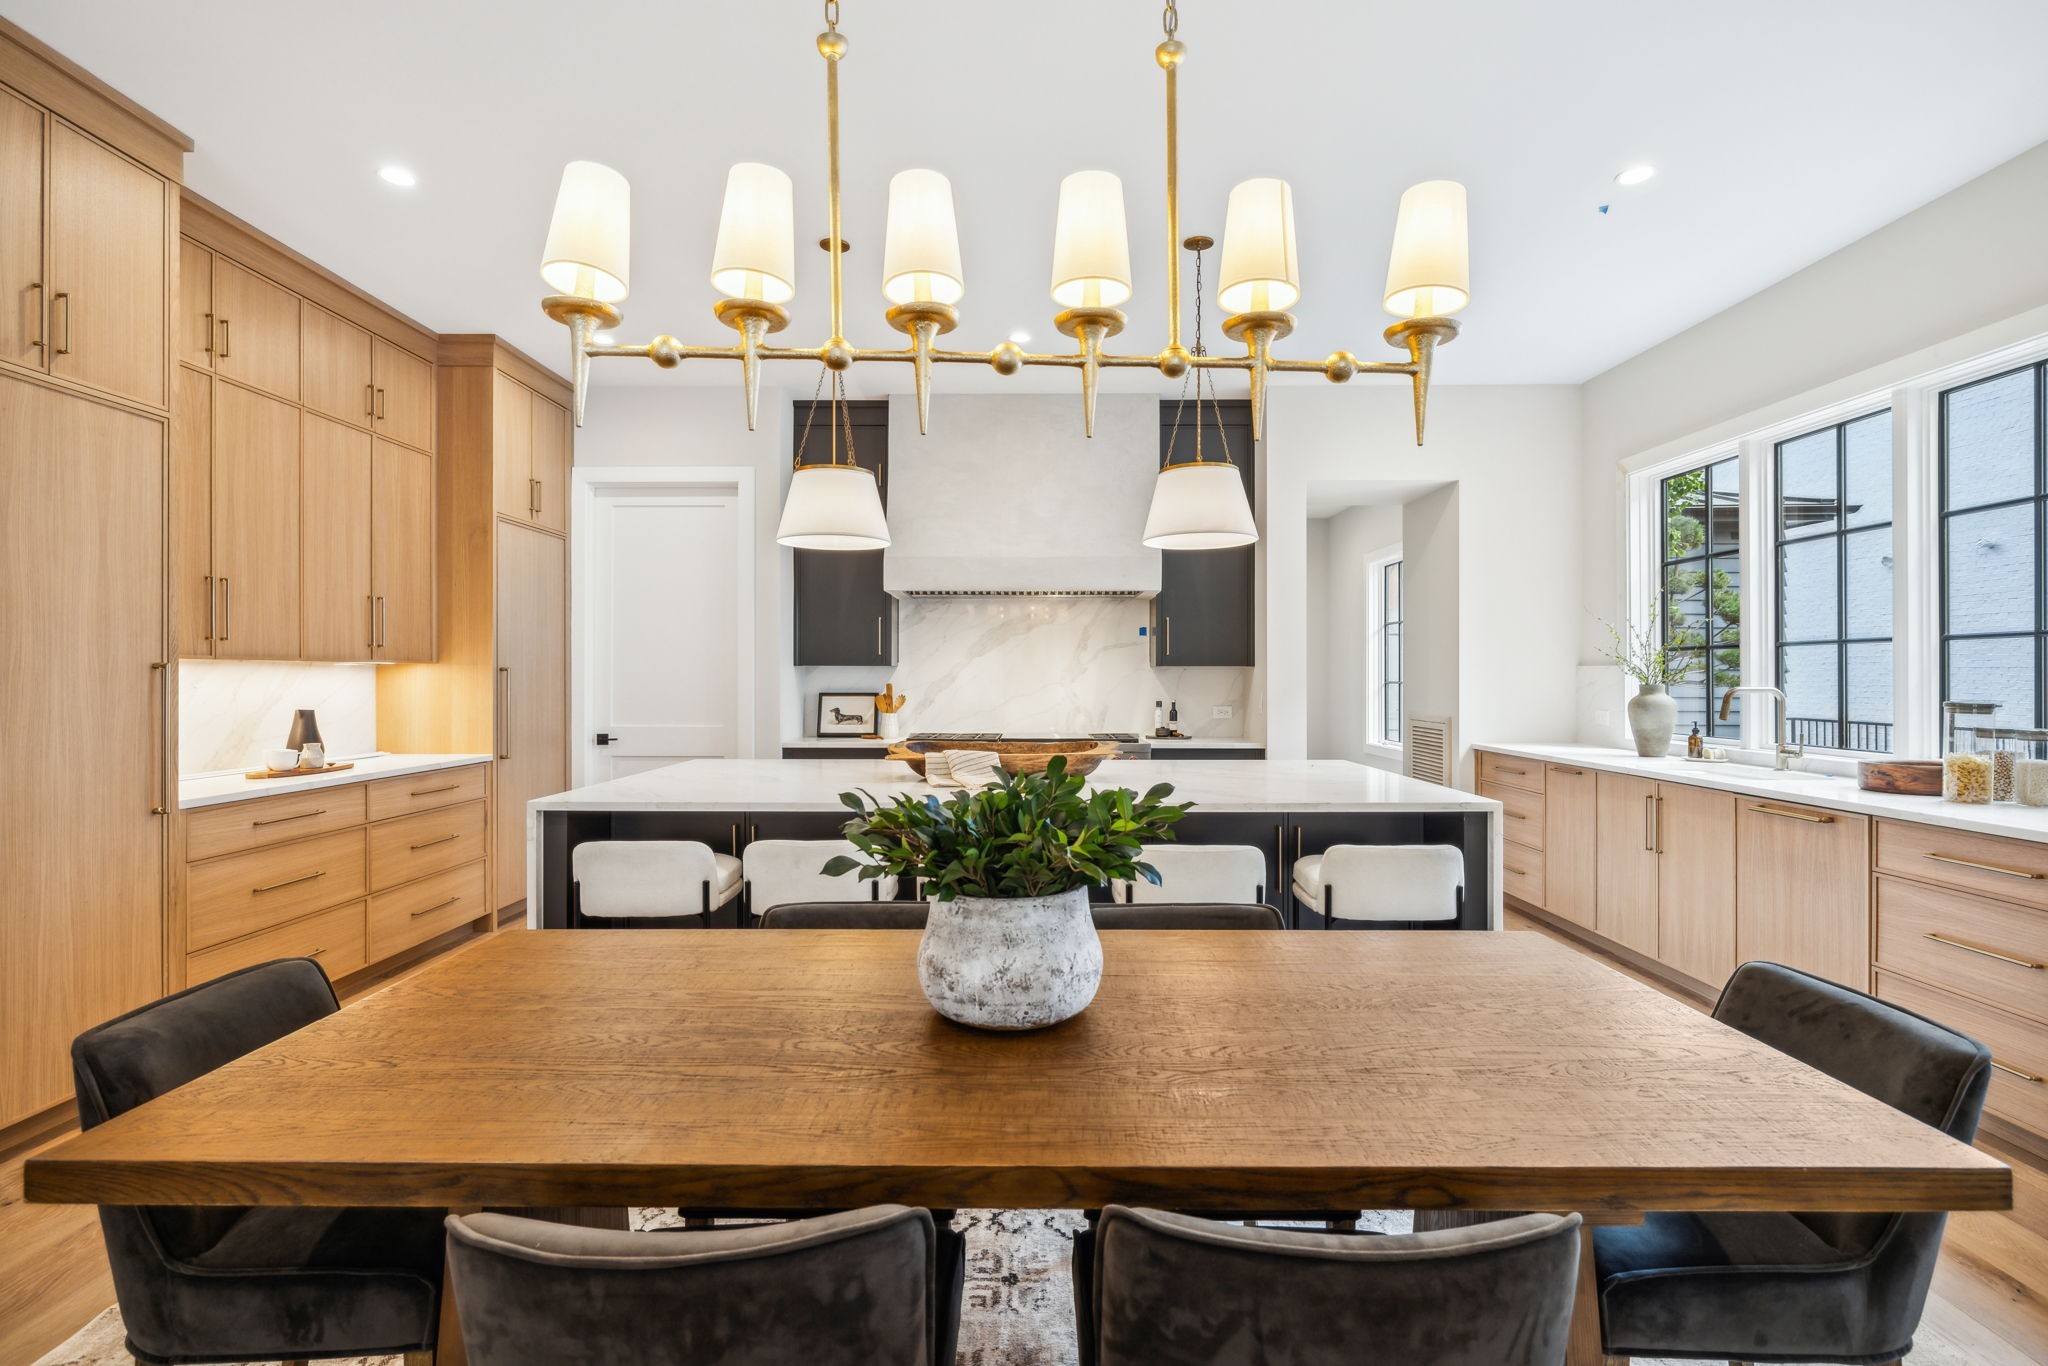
(1644, 655)
(1010, 943)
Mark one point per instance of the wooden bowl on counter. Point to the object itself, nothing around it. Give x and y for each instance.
(1905, 777)
(1016, 756)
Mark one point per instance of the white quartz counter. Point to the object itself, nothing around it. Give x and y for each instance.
(1214, 785)
(233, 787)
(1806, 789)
(1202, 742)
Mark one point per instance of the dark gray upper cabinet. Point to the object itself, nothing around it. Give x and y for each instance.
(842, 614)
(1206, 611)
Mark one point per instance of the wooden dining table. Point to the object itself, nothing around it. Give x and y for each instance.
(1214, 1071)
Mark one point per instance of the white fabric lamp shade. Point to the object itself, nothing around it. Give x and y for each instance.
(1200, 506)
(1260, 270)
(921, 253)
(589, 234)
(1430, 274)
(833, 507)
(756, 253)
(1091, 248)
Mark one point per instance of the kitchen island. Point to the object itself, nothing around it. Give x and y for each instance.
(1286, 808)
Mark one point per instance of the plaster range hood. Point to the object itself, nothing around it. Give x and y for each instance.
(1007, 498)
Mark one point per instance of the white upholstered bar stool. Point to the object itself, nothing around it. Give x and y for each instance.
(1382, 882)
(1222, 874)
(650, 879)
(786, 872)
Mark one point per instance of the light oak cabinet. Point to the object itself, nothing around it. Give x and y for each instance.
(401, 552)
(1625, 899)
(531, 440)
(533, 689)
(21, 231)
(338, 612)
(356, 377)
(254, 496)
(1696, 882)
(405, 395)
(256, 330)
(1803, 889)
(1571, 818)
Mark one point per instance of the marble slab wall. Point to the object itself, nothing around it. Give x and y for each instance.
(1058, 664)
(230, 711)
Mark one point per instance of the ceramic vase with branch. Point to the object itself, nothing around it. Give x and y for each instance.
(1643, 654)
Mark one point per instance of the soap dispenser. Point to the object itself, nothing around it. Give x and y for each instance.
(1695, 747)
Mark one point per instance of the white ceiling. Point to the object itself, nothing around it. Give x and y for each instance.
(1781, 131)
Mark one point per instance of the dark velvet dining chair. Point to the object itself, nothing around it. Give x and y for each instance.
(1175, 1290)
(854, 1289)
(219, 1284)
(1749, 1287)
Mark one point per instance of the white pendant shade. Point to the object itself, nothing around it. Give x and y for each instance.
(833, 507)
(1091, 249)
(921, 254)
(1200, 506)
(1430, 272)
(1260, 270)
(588, 236)
(756, 253)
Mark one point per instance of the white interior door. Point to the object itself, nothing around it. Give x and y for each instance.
(668, 598)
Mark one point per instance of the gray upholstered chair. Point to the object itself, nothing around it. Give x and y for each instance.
(1799, 1287)
(224, 1284)
(841, 1290)
(1159, 1289)
(910, 915)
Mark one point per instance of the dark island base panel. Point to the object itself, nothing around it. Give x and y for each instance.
(1283, 837)
(1168, 754)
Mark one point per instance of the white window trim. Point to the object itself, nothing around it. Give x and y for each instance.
(1375, 663)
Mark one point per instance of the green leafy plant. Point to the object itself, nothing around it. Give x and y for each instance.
(1644, 655)
(1027, 835)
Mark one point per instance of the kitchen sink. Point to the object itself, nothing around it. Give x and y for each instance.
(1756, 773)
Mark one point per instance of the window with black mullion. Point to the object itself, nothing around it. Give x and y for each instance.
(1701, 580)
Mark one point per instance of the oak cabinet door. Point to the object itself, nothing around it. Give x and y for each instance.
(192, 595)
(108, 224)
(256, 330)
(1802, 889)
(255, 525)
(193, 324)
(337, 612)
(512, 447)
(551, 464)
(337, 368)
(405, 395)
(1570, 843)
(533, 698)
(1625, 902)
(1696, 881)
(25, 318)
(402, 551)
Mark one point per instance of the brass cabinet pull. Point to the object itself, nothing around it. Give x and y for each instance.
(316, 953)
(280, 820)
(431, 843)
(64, 298)
(380, 405)
(878, 637)
(1649, 825)
(209, 607)
(37, 340)
(209, 334)
(162, 670)
(383, 618)
(1513, 816)
(430, 791)
(223, 338)
(1813, 817)
(1297, 844)
(1575, 772)
(225, 620)
(735, 839)
(504, 712)
(1169, 637)
(1518, 772)
(2014, 1071)
(1987, 953)
(369, 400)
(372, 599)
(1660, 823)
(442, 907)
(1985, 867)
(753, 833)
(1279, 850)
(290, 882)
(1518, 872)
(533, 497)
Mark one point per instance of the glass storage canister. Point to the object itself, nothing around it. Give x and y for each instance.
(1966, 758)
(2030, 777)
(2003, 743)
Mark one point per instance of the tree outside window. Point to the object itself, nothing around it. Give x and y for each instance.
(1702, 591)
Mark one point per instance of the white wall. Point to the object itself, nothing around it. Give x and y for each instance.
(1343, 655)
(1318, 644)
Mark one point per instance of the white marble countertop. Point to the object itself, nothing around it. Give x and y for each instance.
(233, 787)
(834, 742)
(1202, 742)
(1805, 789)
(1214, 785)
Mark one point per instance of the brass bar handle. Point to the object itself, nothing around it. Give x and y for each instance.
(430, 791)
(735, 839)
(533, 497)
(1985, 867)
(428, 844)
(226, 620)
(280, 820)
(2015, 1072)
(371, 598)
(1986, 953)
(209, 335)
(878, 637)
(290, 882)
(1169, 637)
(1514, 816)
(316, 953)
(383, 618)
(61, 297)
(1649, 824)
(209, 607)
(1297, 844)
(1812, 817)
(36, 315)
(1518, 772)
(1575, 772)
(1660, 823)
(504, 711)
(442, 907)
(162, 670)
(369, 400)
(224, 338)
(1518, 872)
(380, 405)
(1279, 850)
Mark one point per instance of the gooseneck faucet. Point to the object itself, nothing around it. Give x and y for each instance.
(1786, 752)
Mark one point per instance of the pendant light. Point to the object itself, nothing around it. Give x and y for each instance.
(1199, 504)
(836, 505)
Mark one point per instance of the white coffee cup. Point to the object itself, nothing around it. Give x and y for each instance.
(281, 759)
(313, 756)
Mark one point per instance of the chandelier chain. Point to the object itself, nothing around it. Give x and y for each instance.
(1169, 18)
(832, 16)
(1195, 377)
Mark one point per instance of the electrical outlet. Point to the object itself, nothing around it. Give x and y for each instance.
(1220, 713)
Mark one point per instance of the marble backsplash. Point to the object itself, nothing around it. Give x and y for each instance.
(230, 711)
(1057, 664)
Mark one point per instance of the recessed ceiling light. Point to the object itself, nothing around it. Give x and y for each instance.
(1020, 336)
(397, 175)
(1635, 175)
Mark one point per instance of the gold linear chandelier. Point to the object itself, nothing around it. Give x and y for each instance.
(753, 267)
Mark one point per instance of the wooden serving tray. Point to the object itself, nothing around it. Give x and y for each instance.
(1906, 777)
(262, 773)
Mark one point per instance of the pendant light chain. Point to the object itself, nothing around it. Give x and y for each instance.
(1194, 375)
(1169, 19)
(840, 421)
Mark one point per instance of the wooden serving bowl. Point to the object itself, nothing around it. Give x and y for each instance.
(1906, 777)
(1016, 756)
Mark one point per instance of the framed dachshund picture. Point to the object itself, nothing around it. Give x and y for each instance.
(846, 713)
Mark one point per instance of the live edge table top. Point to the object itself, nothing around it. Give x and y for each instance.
(799, 1069)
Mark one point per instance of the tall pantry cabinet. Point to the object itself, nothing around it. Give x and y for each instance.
(88, 229)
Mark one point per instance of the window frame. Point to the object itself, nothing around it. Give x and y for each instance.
(1376, 680)
(1705, 559)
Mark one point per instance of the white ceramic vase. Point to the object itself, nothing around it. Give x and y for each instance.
(1652, 714)
(1010, 963)
(889, 725)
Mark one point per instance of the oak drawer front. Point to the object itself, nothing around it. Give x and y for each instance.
(2014, 869)
(227, 829)
(1522, 817)
(333, 939)
(427, 791)
(1508, 771)
(1522, 873)
(240, 894)
(418, 911)
(2020, 1047)
(413, 846)
(1987, 949)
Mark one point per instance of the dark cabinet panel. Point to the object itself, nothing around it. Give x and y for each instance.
(842, 614)
(1206, 612)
